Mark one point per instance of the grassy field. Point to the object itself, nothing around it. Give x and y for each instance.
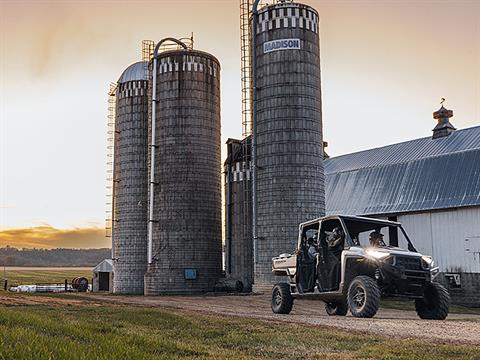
(30, 277)
(121, 332)
(23, 277)
(115, 332)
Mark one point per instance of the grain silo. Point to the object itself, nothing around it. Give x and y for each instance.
(287, 129)
(184, 252)
(129, 230)
(238, 212)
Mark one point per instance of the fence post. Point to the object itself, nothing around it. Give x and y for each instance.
(66, 285)
(5, 285)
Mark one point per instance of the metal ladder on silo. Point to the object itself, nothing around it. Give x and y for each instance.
(110, 217)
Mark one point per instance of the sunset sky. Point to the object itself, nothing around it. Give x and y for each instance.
(385, 66)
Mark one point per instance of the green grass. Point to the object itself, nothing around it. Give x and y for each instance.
(30, 277)
(118, 332)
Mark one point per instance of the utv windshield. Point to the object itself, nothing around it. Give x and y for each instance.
(376, 233)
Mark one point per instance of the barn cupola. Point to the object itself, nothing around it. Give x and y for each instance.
(444, 127)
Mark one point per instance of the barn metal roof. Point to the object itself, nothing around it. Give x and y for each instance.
(417, 175)
(134, 72)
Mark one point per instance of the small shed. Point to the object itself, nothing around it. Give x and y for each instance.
(103, 276)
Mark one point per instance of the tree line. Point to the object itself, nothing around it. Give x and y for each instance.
(11, 256)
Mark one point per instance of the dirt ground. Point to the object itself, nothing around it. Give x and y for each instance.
(458, 328)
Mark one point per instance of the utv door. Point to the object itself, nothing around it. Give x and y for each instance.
(329, 264)
(307, 261)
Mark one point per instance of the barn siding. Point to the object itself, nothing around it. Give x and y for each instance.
(443, 234)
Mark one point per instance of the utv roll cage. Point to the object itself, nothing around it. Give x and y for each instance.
(354, 225)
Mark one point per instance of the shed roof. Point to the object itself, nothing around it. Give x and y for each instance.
(105, 266)
(417, 175)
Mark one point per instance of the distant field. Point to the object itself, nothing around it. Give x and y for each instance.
(119, 332)
(38, 275)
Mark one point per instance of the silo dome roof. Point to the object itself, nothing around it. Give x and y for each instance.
(134, 72)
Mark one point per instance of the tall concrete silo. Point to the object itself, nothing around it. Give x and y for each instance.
(185, 191)
(238, 212)
(130, 181)
(288, 177)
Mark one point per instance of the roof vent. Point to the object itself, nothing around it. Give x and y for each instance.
(443, 128)
(325, 155)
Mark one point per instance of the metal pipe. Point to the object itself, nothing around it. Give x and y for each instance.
(181, 43)
(254, 134)
(152, 159)
(153, 145)
(228, 216)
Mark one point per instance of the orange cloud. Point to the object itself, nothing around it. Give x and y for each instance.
(48, 237)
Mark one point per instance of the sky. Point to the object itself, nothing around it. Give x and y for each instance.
(385, 67)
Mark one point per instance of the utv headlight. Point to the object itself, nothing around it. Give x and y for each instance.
(379, 255)
(427, 262)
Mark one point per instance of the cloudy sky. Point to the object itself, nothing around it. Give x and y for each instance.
(385, 66)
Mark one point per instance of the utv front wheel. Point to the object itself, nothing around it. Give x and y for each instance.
(363, 297)
(435, 302)
(339, 308)
(282, 300)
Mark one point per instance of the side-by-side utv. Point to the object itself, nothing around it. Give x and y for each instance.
(345, 261)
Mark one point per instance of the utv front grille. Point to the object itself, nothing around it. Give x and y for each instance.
(408, 262)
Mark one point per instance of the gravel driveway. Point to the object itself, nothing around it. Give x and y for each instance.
(460, 328)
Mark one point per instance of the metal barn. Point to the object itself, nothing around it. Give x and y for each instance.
(432, 186)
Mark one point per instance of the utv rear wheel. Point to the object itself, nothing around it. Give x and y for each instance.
(282, 300)
(339, 308)
(435, 302)
(363, 297)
